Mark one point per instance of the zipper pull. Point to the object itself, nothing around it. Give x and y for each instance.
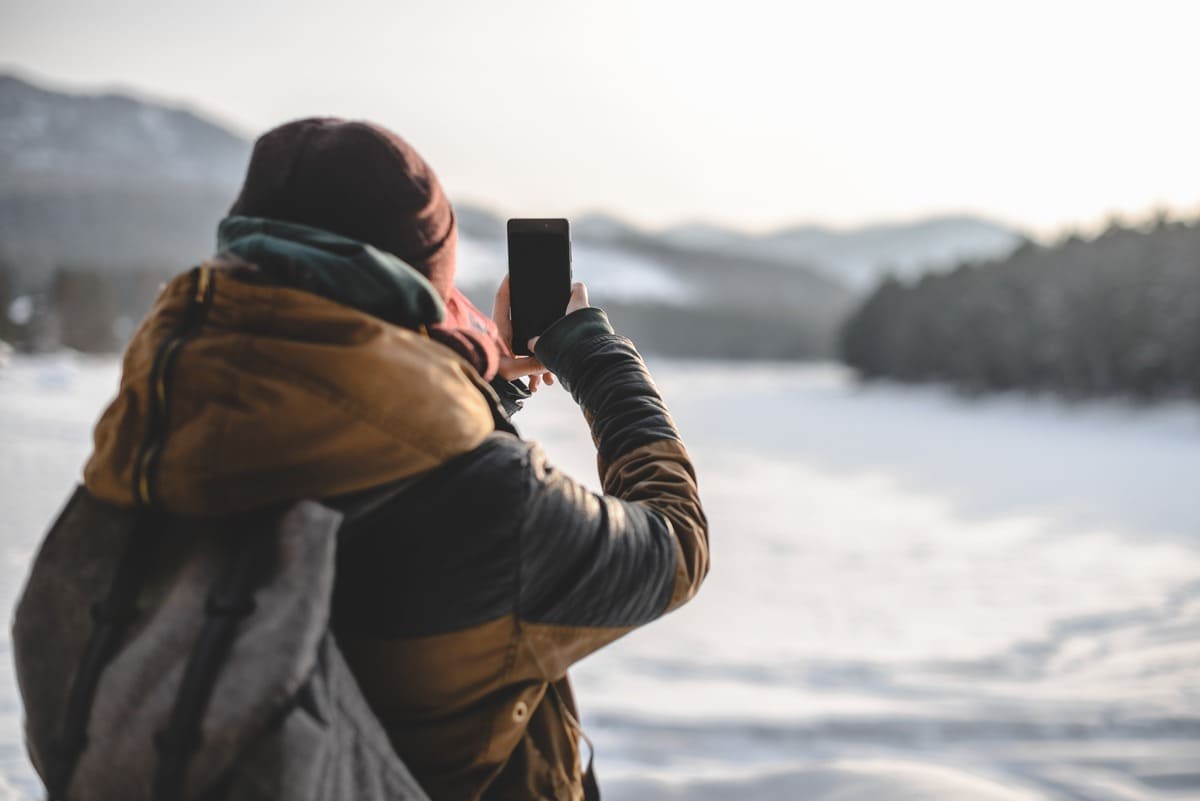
(202, 282)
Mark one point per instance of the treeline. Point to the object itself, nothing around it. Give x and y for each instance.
(85, 309)
(1118, 314)
(94, 310)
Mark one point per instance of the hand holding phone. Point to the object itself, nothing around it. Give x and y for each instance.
(512, 367)
(539, 273)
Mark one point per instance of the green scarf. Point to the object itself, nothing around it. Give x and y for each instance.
(343, 270)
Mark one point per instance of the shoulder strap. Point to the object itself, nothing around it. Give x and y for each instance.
(111, 618)
(230, 600)
(113, 615)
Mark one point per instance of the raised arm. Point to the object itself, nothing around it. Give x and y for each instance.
(595, 566)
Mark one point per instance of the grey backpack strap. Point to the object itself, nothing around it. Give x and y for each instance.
(230, 600)
(111, 617)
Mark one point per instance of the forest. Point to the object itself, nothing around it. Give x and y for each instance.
(1117, 314)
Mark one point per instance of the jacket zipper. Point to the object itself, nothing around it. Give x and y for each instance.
(199, 300)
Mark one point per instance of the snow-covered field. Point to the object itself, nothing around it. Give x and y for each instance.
(912, 596)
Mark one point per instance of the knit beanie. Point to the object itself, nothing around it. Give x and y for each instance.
(359, 180)
(362, 181)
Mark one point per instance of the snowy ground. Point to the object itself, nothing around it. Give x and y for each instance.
(912, 596)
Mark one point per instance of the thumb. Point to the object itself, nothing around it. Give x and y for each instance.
(579, 297)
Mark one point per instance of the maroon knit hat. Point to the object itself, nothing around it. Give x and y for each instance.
(364, 182)
(358, 180)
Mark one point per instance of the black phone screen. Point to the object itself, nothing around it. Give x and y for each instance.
(539, 276)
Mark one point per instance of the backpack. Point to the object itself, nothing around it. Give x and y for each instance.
(169, 658)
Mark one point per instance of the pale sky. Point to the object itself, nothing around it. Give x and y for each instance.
(749, 113)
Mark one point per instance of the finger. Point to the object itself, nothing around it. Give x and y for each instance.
(534, 381)
(503, 298)
(500, 312)
(519, 367)
(579, 297)
(548, 378)
(532, 344)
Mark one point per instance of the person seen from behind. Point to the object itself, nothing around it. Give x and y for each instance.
(337, 360)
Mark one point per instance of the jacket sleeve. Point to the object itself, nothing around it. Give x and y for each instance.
(595, 566)
(512, 394)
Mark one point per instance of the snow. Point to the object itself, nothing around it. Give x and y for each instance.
(913, 596)
(610, 272)
(615, 274)
(20, 310)
(113, 137)
(861, 256)
(701, 236)
(158, 130)
(480, 262)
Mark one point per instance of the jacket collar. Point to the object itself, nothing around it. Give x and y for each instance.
(335, 267)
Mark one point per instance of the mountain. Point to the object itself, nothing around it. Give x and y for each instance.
(108, 182)
(682, 302)
(856, 257)
(111, 137)
(861, 256)
(111, 185)
(674, 300)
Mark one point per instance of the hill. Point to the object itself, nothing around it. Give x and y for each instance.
(108, 181)
(1115, 315)
(860, 256)
(103, 195)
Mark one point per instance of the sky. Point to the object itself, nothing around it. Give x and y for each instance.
(751, 114)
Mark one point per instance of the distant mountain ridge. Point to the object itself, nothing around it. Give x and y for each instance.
(856, 256)
(111, 136)
(108, 182)
(71, 145)
(113, 185)
(860, 255)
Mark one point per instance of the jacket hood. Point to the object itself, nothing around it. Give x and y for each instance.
(363, 277)
(280, 394)
(343, 270)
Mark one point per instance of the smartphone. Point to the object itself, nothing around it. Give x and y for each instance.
(539, 276)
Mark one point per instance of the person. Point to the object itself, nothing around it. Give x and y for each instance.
(332, 357)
